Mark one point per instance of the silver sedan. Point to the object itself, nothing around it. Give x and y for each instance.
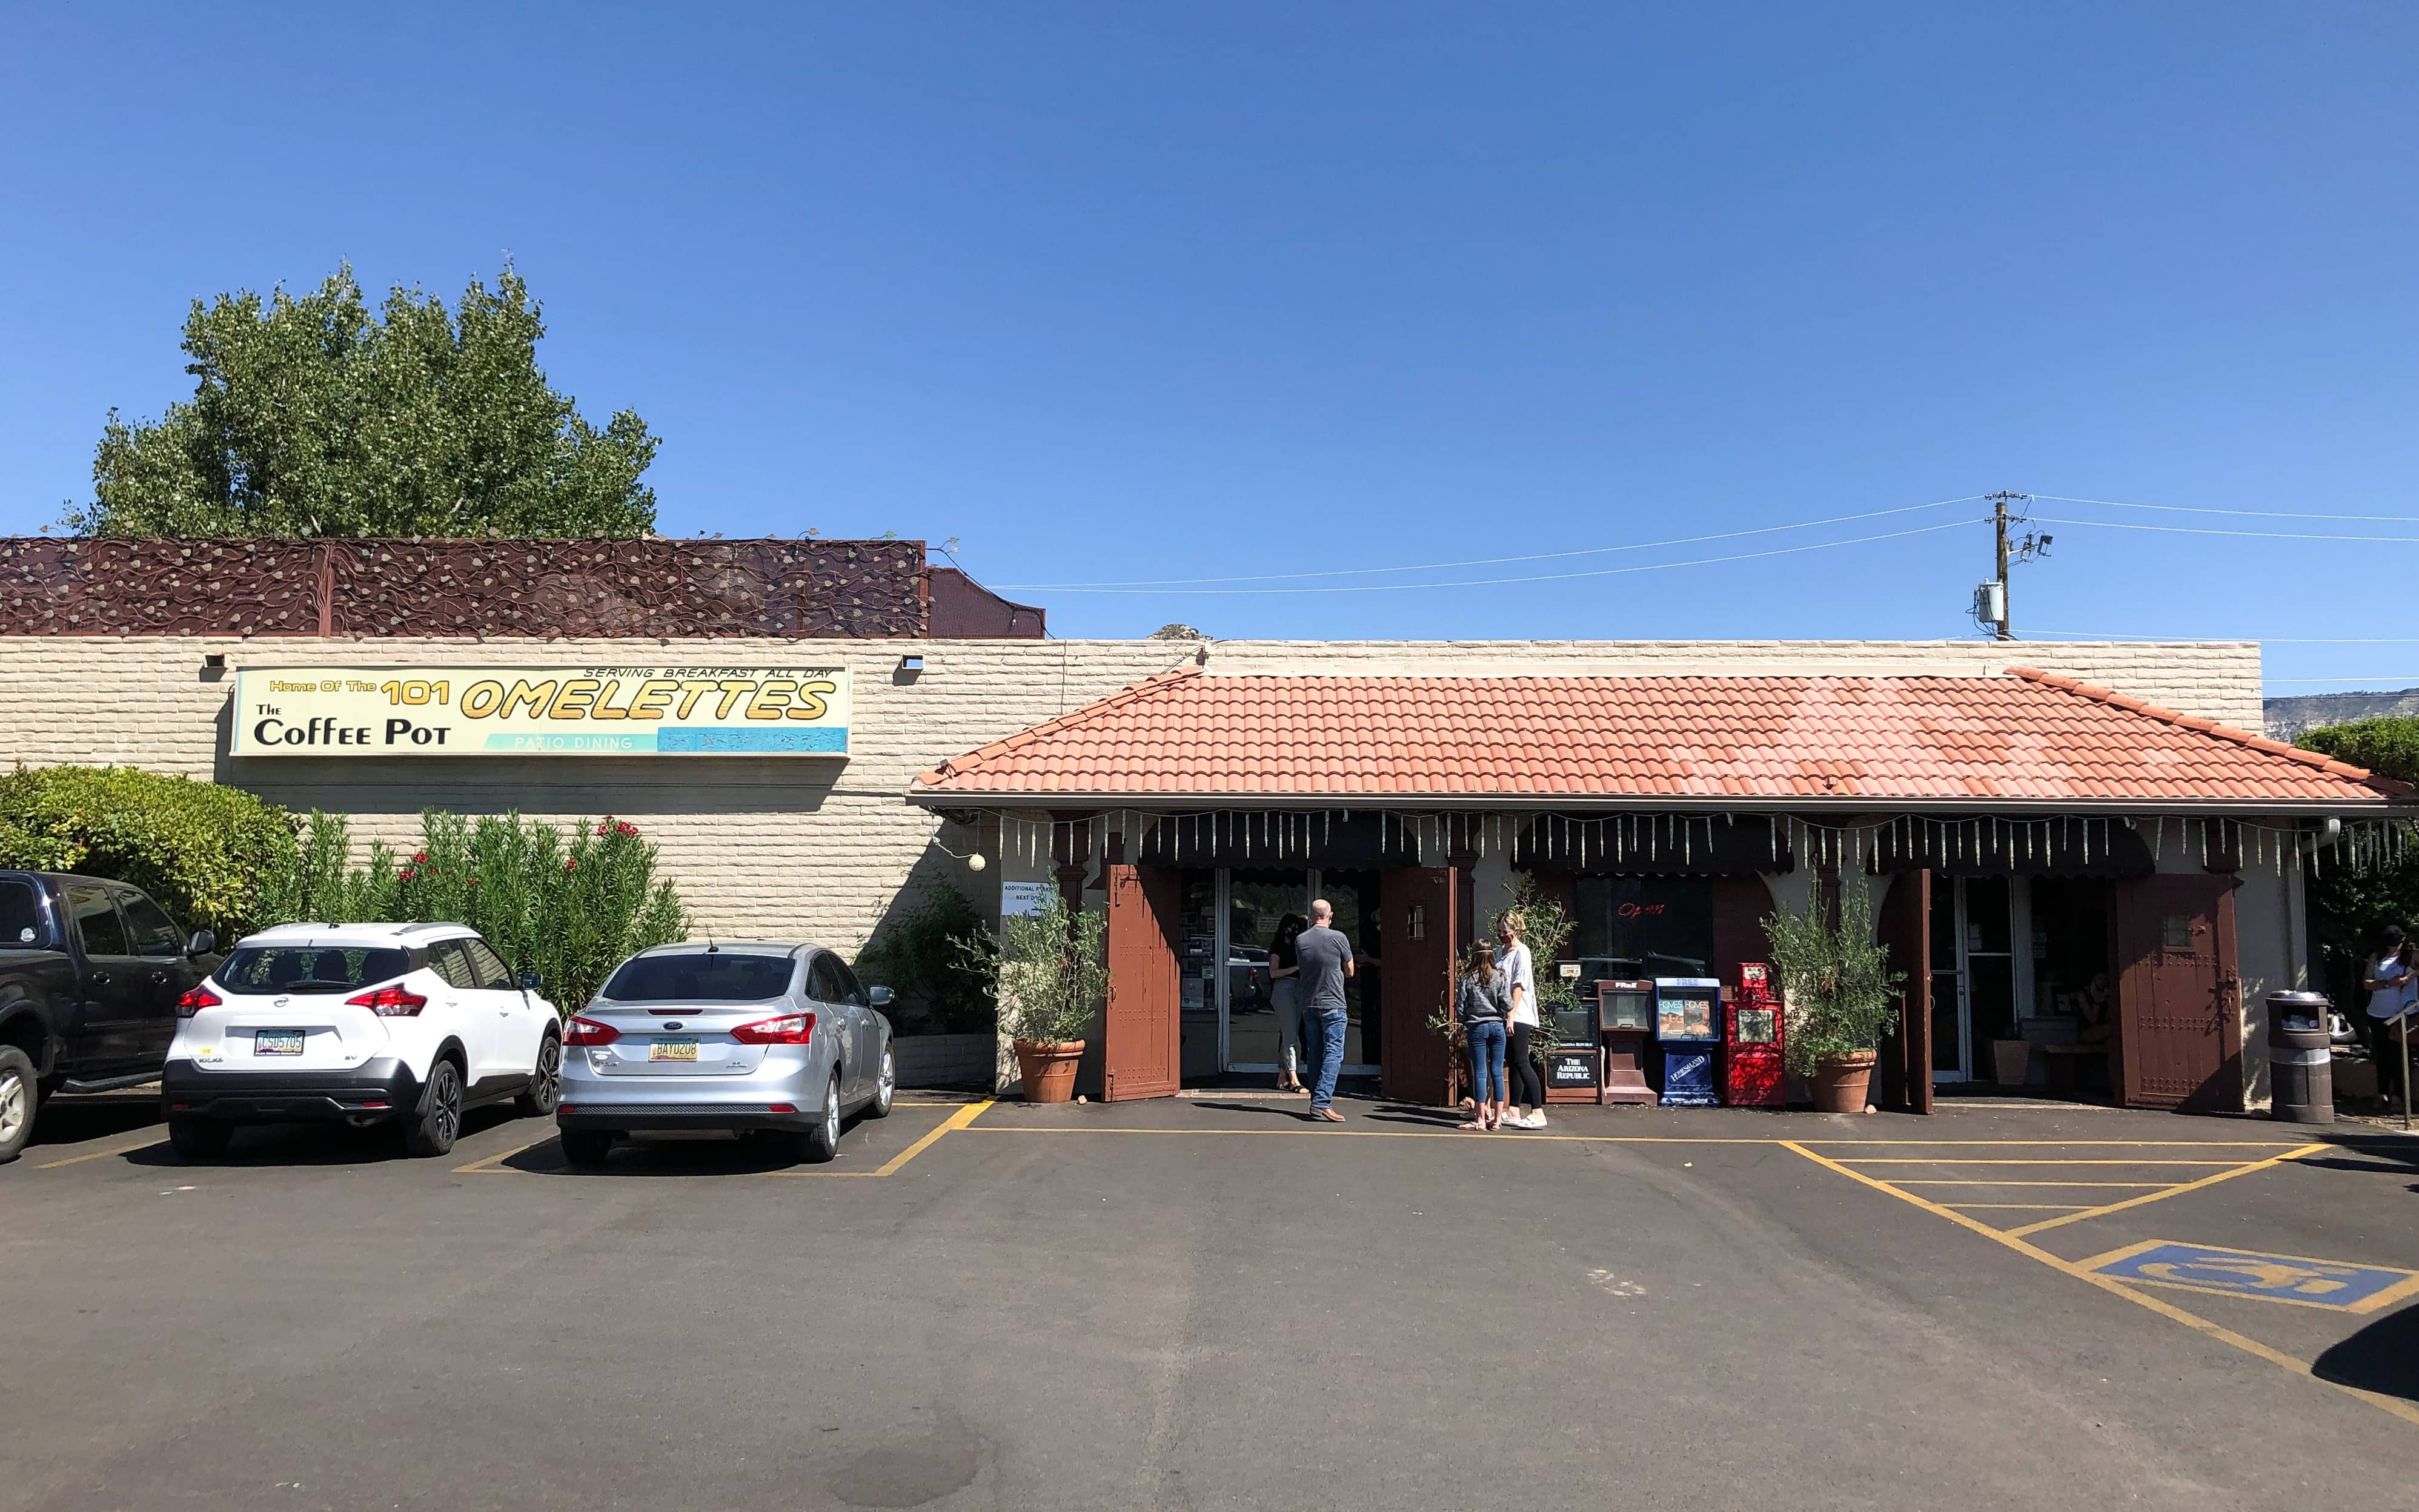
(779, 1040)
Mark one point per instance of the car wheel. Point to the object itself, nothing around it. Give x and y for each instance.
(886, 1085)
(440, 1116)
(822, 1142)
(546, 1081)
(200, 1138)
(587, 1148)
(19, 1097)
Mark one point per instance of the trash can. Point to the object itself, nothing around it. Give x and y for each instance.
(2301, 1059)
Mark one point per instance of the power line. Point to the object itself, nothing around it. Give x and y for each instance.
(1491, 561)
(2203, 509)
(2196, 529)
(1536, 577)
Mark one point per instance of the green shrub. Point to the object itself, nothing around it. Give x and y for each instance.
(214, 856)
(921, 955)
(568, 907)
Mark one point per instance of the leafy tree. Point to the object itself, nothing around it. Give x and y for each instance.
(313, 418)
(2351, 899)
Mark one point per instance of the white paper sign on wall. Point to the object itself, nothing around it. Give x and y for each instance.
(1025, 896)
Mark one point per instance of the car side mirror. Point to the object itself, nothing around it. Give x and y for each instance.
(879, 996)
(203, 943)
(531, 982)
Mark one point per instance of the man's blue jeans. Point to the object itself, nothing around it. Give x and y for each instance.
(1331, 1024)
(1486, 1061)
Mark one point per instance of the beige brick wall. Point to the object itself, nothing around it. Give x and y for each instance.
(818, 849)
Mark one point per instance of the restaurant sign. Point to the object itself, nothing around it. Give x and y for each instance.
(540, 711)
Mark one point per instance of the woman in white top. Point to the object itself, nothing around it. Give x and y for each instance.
(1520, 980)
(2392, 986)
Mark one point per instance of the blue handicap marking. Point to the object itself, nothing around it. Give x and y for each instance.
(2291, 1278)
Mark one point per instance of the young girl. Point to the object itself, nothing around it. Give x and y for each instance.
(1481, 1008)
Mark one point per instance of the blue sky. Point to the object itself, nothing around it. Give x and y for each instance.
(1118, 292)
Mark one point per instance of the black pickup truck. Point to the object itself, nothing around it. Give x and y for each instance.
(90, 972)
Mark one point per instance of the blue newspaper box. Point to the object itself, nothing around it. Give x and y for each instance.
(1689, 1027)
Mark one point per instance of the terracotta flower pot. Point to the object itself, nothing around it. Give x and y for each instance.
(1048, 1070)
(1840, 1082)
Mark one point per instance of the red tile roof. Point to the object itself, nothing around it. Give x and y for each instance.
(2030, 738)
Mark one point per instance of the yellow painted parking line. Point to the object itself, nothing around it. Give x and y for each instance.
(2203, 1182)
(2052, 1160)
(955, 1121)
(1329, 1130)
(149, 1140)
(2394, 1405)
(2029, 1207)
(490, 1166)
(1996, 1182)
(2067, 1144)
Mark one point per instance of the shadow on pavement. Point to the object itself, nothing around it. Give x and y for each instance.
(316, 1144)
(2384, 1357)
(74, 1120)
(1291, 1112)
(685, 1155)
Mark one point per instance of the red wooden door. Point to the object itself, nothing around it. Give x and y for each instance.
(2178, 995)
(1141, 1031)
(1416, 905)
(1904, 925)
(2180, 1022)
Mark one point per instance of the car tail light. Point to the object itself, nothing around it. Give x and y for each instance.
(780, 1108)
(588, 1031)
(790, 1028)
(196, 1000)
(389, 1002)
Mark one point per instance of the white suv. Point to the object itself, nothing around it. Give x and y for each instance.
(362, 1024)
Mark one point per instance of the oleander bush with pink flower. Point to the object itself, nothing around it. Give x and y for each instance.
(567, 904)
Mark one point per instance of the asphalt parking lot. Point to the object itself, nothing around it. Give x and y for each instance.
(1209, 1302)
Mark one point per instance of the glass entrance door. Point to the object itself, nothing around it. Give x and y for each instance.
(1975, 969)
(1253, 906)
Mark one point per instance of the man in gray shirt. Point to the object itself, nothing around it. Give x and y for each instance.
(1325, 958)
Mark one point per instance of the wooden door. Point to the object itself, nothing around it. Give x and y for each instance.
(2179, 1015)
(1903, 1079)
(1418, 929)
(1142, 1031)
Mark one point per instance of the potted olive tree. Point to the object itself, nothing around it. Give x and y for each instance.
(1838, 992)
(1050, 973)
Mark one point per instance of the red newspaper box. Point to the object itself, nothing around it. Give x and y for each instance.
(1752, 1036)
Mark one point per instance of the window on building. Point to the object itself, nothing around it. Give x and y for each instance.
(1649, 926)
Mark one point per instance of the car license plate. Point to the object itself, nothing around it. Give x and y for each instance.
(672, 1050)
(277, 1041)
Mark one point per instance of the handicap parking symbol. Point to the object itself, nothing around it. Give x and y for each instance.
(2289, 1278)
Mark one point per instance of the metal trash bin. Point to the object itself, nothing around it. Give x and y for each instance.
(2301, 1059)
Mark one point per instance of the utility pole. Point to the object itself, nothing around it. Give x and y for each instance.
(1991, 599)
(1999, 530)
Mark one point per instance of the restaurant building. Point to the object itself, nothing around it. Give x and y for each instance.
(2077, 845)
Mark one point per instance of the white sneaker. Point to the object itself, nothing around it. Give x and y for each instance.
(1535, 1121)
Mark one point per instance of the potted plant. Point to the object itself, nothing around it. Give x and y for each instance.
(1838, 992)
(1050, 973)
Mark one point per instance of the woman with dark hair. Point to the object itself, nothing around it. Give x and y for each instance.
(1284, 995)
(1481, 1006)
(2392, 986)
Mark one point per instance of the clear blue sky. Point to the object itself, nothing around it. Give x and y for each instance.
(1125, 292)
